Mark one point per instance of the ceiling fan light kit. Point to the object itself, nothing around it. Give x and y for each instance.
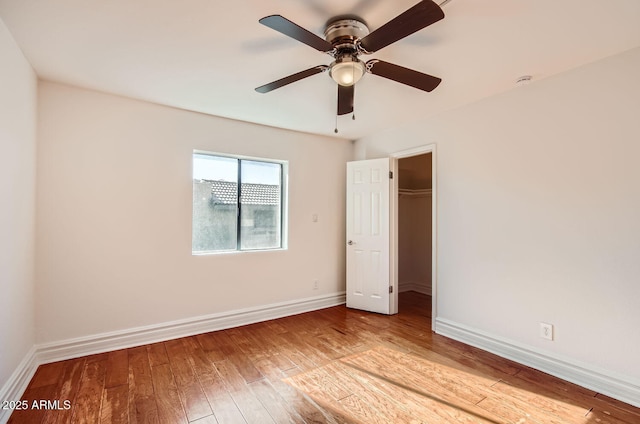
(347, 70)
(343, 34)
(346, 38)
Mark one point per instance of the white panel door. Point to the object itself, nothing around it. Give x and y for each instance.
(368, 235)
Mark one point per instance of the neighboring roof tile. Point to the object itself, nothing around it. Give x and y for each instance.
(225, 192)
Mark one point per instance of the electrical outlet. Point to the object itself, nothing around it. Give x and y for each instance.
(546, 331)
(316, 285)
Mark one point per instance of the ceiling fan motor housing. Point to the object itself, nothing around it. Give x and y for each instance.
(343, 33)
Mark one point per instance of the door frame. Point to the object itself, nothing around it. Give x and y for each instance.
(393, 227)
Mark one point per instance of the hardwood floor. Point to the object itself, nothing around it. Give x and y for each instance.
(331, 366)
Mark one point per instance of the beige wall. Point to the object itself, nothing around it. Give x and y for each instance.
(538, 200)
(114, 216)
(18, 87)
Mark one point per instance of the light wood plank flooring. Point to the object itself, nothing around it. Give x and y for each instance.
(331, 366)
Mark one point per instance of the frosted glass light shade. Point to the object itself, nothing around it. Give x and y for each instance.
(347, 73)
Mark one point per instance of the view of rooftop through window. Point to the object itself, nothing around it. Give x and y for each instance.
(230, 217)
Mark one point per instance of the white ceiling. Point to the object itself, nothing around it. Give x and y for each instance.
(208, 56)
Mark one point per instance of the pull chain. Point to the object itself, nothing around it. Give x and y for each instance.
(336, 130)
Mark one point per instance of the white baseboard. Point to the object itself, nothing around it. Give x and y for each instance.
(423, 288)
(602, 381)
(105, 342)
(13, 389)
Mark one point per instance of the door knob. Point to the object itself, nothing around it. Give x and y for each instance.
(350, 242)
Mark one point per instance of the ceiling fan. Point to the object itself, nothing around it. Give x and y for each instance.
(347, 37)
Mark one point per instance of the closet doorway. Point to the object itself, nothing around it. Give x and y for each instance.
(414, 219)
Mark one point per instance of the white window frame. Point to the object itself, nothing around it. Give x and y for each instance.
(284, 203)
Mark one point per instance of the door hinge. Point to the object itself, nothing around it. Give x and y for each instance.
(390, 289)
(391, 175)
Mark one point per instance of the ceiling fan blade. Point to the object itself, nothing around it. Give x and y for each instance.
(291, 78)
(414, 19)
(288, 28)
(345, 99)
(403, 75)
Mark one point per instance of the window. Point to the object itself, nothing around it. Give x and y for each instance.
(237, 204)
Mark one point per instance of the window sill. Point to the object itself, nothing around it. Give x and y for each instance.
(231, 252)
